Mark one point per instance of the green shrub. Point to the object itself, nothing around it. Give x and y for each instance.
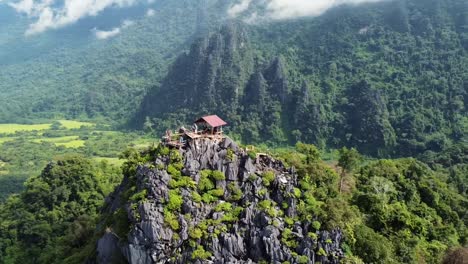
(288, 239)
(175, 173)
(303, 259)
(218, 175)
(209, 198)
(265, 204)
(312, 235)
(175, 156)
(223, 207)
(229, 217)
(316, 225)
(289, 221)
(262, 192)
(171, 220)
(268, 177)
(183, 182)
(268, 207)
(217, 192)
(276, 223)
(236, 192)
(230, 155)
(175, 200)
(163, 151)
(321, 252)
(297, 193)
(200, 253)
(205, 183)
(196, 233)
(252, 177)
(140, 196)
(196, 197)
(370, 246)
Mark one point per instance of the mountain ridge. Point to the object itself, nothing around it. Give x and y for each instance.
(360, 52)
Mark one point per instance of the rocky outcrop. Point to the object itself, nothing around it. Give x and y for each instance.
(246, 216)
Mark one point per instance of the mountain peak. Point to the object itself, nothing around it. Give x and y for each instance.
(215, 201)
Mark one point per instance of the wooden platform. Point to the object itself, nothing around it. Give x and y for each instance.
(175, 142)
(199, 135)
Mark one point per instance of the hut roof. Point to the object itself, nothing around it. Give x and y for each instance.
(212, 120)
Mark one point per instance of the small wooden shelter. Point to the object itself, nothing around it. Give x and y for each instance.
(211, 125)
(205, 127)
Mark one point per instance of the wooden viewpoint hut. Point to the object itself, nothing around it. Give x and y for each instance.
(209, 125)
(206, 127)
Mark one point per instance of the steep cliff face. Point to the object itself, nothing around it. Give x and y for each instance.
(212, 75)
(297, 80)
(214, 203)
(222, 73)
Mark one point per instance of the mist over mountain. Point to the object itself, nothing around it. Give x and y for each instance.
(71, 72)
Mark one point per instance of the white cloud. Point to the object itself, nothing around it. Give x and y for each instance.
(285, 9)
(25, 6)
(239, 8)
(102, 34)
(150, 12)
(127, 23)
(53, 14)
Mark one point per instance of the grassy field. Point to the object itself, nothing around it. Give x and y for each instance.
(13, 128)
(26, 149)
(70, 124)
(2, 168)
(72, 144)
(64, 139)
(67, 124)
(6, 139)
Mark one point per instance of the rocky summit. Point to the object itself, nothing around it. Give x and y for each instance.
(212, 202)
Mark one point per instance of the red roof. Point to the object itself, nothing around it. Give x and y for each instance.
(212, 120)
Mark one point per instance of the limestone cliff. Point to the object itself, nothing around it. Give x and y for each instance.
(212, 202)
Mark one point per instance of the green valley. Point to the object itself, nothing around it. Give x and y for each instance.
(26, 149)
(346, 139)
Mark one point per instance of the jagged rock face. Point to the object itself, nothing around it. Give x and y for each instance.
(211, 76)
(255, 234)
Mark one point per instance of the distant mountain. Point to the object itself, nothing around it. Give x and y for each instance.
(389, 78)
(68, 72)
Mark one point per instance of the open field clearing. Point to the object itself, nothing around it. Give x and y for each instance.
(72, 144)
(13, 128)
(71, 124)
(112, 161)
(67, 124)
(26, 149)
(64, 139)
(5, 139)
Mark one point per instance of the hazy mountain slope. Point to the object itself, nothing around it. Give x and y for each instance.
(70, 73)
(389, 78)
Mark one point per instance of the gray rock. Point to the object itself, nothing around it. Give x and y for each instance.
(254, 237)
(108, 250)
